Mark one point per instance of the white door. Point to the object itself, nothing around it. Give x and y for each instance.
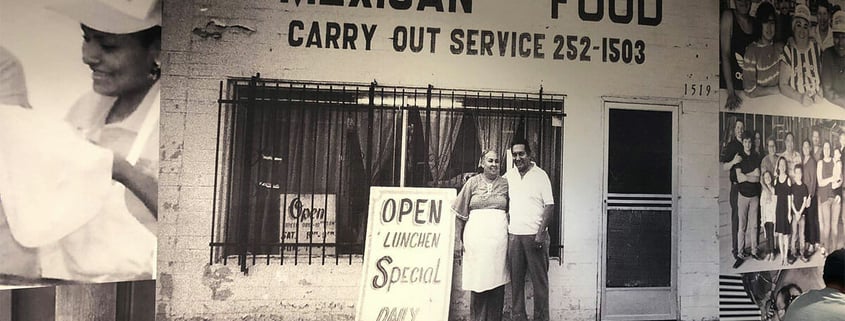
(638, 249)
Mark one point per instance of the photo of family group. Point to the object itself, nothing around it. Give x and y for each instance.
(793, 49)
(780, 200)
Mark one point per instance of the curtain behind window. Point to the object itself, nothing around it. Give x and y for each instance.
(377, 142)
(441, 130)
(496, 132)
(288, 150)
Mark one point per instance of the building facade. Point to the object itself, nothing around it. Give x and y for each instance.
(621, 105)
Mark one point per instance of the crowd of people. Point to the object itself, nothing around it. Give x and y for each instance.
(794, 194)
(784, 48)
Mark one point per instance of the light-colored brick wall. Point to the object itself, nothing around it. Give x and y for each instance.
(682, 50)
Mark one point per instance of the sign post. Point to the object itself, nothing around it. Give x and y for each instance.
(408, 260)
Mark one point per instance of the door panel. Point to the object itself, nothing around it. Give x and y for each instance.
(639, 152)
(638, 269)
(639, 250)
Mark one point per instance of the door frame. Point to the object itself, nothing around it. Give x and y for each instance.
(663, 105)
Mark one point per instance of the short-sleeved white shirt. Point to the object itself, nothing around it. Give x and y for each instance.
(528, 194)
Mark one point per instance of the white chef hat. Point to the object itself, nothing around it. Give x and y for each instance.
(113, 16)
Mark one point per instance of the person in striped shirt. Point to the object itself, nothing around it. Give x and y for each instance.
(799, 68)
(761, 64)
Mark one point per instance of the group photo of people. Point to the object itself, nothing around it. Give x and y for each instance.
(781, 191)
(791, 49)
(79, 176)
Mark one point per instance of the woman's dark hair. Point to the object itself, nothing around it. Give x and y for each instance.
(787, 135)
(771, 176)
(777, 165)
(765, 12)
(829, 144)
(826, 4)
(786, 296)
(809, 142)
(755, 146)
(148, 36)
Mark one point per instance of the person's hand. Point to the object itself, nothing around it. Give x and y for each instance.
(733, 102)
(144, 186)
(806, 100)
(459, 255)
(736, 159)
(740, 176)
(817, 98)
(539, 239)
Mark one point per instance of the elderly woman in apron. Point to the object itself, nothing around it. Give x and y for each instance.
(481, 208)
(113, 237)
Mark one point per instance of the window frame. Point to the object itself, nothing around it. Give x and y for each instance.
(246, 92)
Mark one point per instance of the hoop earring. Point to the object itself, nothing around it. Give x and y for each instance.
(155, 72)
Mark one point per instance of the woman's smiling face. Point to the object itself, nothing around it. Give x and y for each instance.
(801, 28)
(490, 163)
(120, 63)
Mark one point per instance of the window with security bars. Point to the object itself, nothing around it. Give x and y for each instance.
(296, 159)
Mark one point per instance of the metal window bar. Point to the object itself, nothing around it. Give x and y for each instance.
(259, 165)
(336, 104)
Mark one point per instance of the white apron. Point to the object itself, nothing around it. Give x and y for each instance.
(486, 248)
(115, 245)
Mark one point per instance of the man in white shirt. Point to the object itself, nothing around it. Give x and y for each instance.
(531, 206)
(827, 303)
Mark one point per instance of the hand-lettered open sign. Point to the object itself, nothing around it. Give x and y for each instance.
(308, 219)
